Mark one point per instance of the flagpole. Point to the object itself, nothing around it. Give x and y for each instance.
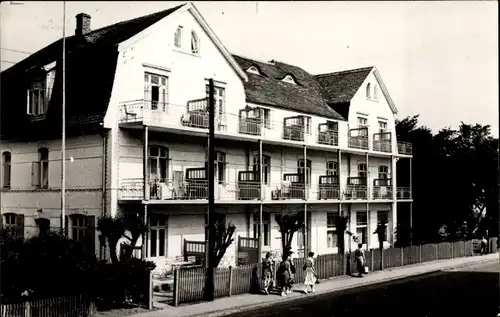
(63, 137)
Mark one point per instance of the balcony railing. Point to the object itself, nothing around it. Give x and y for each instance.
(196, 115)
(138, 110)
(403, 193)
(250, 126)
(328, 137)
(292, 187)
(293, 133)
(382, 142)
(358, 138)
(382, 188)
(328, 187)
(405, 148)
(356, 188)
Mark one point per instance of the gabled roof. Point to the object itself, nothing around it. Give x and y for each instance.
(269, 89)
(340, 87)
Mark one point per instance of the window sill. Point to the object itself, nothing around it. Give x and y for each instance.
(38, 117)
(179, 50)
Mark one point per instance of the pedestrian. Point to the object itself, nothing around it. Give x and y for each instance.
(285, 274)
(267, 265)
(359, 256)
(484, 244)
(310, 270)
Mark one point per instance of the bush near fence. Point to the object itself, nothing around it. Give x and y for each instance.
(70, 306)
(189, 282)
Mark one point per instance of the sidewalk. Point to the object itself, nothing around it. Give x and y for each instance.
(245, 302)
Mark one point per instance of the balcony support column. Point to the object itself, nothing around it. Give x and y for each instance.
(145, 163)
(368, 196)
(393, 177)
(306, 194)
(145, 234)
(411, 179)
(394, 208)
(411, 201)
(261, 211)
(339, 174)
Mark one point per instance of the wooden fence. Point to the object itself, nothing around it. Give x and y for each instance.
(73, 306)
(189, 282)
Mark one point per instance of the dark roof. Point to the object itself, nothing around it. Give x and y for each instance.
(269, 89)
(86, 56)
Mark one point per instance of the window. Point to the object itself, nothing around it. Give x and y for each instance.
(6, 168)
(361, 227)
(331, 168)
(40, 169)
(266, 224)
(362, 170)
(158, 163)
(383, 218)
(253, 70)
(14, 224)
(178, 37)
(289, 79)
(266, 167)
(375, 92)
(331, 230)
(307, 123)
(368, 91)
(267, 118)
(155, 91)
(220, 166)
(383, 172)
(301, 169)
(362, 122)
(39, 94)
(219, 96)
(79, 227)
(382, 126)
(195, 43)
(157, 236)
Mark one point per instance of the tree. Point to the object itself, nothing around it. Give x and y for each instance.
(341, 227)
(223, 239)
(289, 224)
(380, 231)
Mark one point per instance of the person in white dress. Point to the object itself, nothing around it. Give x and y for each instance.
(311, 276)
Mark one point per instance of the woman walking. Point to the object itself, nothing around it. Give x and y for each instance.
(286, 275)
(267, 265)
(311, 276)
(359, 255)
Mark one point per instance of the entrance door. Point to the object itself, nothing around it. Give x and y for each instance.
(157, 240)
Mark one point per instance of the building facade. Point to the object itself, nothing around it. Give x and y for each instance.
(286, 141)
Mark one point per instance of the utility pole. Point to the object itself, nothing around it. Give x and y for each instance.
(63, 136)
(210, 230)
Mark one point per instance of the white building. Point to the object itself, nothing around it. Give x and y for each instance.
(137, 93)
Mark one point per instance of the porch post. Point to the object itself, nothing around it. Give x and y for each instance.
(394, 199)
(368, 197)
(261, 225)
(411, 202)
(306, 195)
(339, 169)
(145, 190)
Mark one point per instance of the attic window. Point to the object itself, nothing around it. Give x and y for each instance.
(289, 79)
(253, 70)
(40, 92)
(178, 37)
(195, 43)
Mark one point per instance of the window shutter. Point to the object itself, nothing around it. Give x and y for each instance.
(20, 225)
(28, 108)
(91, 234)
(66, 224)
(50, 84)
(35, 173)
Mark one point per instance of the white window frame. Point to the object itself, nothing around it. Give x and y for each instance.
(362, 226)
(266, 167)
(161, 86)
(178, 37)
(220, 166)
(266, 224)
(362, 170)
(383, 172)
(195, 43)
(6, 169)
(161, 224)
(362, 122)
(43, 168)
(382, 125)
(385, 214)
(307, 166)
(331, 229)
(220, 99)
(162, 156)
(332, 168)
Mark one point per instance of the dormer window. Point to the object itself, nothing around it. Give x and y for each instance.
(178, 37)
(40, 92)
(368, 91)
(195, 43)
(253, 70)
(289, 79)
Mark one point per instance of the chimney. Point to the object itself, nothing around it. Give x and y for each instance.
(82, 24)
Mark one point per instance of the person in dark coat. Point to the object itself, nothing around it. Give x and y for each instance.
(267, 266)
(286, 275)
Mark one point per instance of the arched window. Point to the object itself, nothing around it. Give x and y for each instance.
(6, 170)
(253, 70)
(195, 43)
(266, 167)
(383, 172)
(178, 37)
(304, 169)
(289, 79)
(368, 91)
(40, 169)
(375, 92)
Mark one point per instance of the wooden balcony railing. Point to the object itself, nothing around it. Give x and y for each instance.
(294, 128)
(328, 134)
(329, 187)
(250, 126)
(356, 188)
(382, 188)
(382, 142)
(248, 185)
(197, 114)
(403, 193)
(405, 148)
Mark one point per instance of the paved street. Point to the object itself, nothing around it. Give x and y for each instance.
(472, 291)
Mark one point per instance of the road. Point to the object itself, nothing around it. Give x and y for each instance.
(471, 291)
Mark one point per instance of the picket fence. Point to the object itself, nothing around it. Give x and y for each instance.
(189, 282)
(71, 306)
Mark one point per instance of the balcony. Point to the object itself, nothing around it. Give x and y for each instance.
(248, 185)
(292, 187)
(405, 148)
(403, 193)
(196, 115)
(356, 188)
(358, 138)
(328, 187)
(294, 128)
(142, 110)
(382, 188)
(328, 134)
(382, 142)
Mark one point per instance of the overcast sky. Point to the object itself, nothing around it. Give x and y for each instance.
(438, 59)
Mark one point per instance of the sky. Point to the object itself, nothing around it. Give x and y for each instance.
(437, 59)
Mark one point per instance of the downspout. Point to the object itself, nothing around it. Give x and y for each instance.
(104, 173)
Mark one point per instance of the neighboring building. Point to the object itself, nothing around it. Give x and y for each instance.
(137, 93)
